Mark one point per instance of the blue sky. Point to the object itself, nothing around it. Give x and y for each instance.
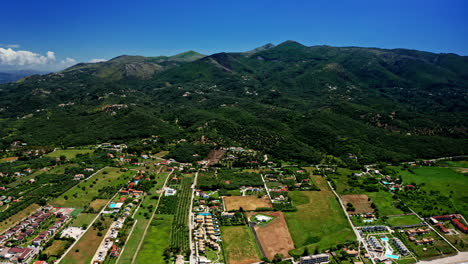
(84, 30)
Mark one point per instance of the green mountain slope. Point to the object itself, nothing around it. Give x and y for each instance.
(289, 100)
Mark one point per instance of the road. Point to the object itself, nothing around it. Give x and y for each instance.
(266, 188)
(151, 218)
(193, 249)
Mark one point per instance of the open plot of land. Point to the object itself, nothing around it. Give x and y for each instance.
(4, 225)
(9, 159)
(83, 251)
(69, 153)
(57, 248)
(384, 202)
(98, 204)
(359, 201)
(445, 180)
(319, 221)
(274, 237)
(403, 220)
(156, 240)
(248, 203)
(239, 245)
(83, 219)
(77, 197)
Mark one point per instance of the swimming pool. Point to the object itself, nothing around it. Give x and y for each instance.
(204, 214)
(136, 181)
(384, 182)
(384, 238)
(112, 205)
(392, 256)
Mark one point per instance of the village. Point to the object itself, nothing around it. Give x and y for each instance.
(238, 206)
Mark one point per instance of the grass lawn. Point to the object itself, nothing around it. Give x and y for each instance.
(106, 177)
(239, 245)
(83, 251)
(384, 202)
(403, 220)
(82, 219)
(156, 240)
(443, 180)
(17, 217)
(319, 221)
(234, 192)
(69, 153)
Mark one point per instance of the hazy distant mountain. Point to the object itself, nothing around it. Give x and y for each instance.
(11, 76)
(290, 100)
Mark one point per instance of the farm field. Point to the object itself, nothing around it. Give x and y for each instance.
(359, 201)
(83, 251)
(180, 230)
(141, 223)
(248, 203)
(403, 220)
(69, 153)
(274, 237)
(445, 180)
(17, 217)
(156, 240)
(77, 197)
(319, 221)
(239, 245)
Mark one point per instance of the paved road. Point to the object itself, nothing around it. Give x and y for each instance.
(193, 249)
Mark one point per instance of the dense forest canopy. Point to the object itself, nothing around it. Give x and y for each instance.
(289, 100)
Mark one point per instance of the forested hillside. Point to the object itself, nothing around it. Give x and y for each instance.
(292, 101)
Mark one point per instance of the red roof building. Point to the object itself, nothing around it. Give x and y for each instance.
(460, 225)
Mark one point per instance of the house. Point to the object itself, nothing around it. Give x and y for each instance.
(460, 225)
(169, 191)
(425, 241)
(442, 228)
(400, 246)
(313, 259)
(374, 228)
(124, 192)
(443, 217)
(375, 244)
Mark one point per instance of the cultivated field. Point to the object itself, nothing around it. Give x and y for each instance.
(384, 202)
(69, 153)
(239, 245)
(359, 201)
(248, 203)
(274, 237)
(156, 240)
(76, 197)
(4, 225)
(319, 221)
(98, 204)
(83, 219)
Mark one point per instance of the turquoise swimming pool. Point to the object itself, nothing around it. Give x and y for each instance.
(392, 256)
(112, 205)
(384, 238)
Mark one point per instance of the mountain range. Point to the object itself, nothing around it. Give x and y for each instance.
(292, 101)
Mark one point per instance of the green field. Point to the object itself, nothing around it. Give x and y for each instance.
(319, 221)
(445, 180)
(239, 245)
(156, 240)
(384, 202)
(78, 198)
(142, 222)
(403, 220)
(82, 219)
(69, 153)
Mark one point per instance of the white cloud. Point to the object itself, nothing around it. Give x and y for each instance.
(14, 46)
(15, 59)
(97, 60)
